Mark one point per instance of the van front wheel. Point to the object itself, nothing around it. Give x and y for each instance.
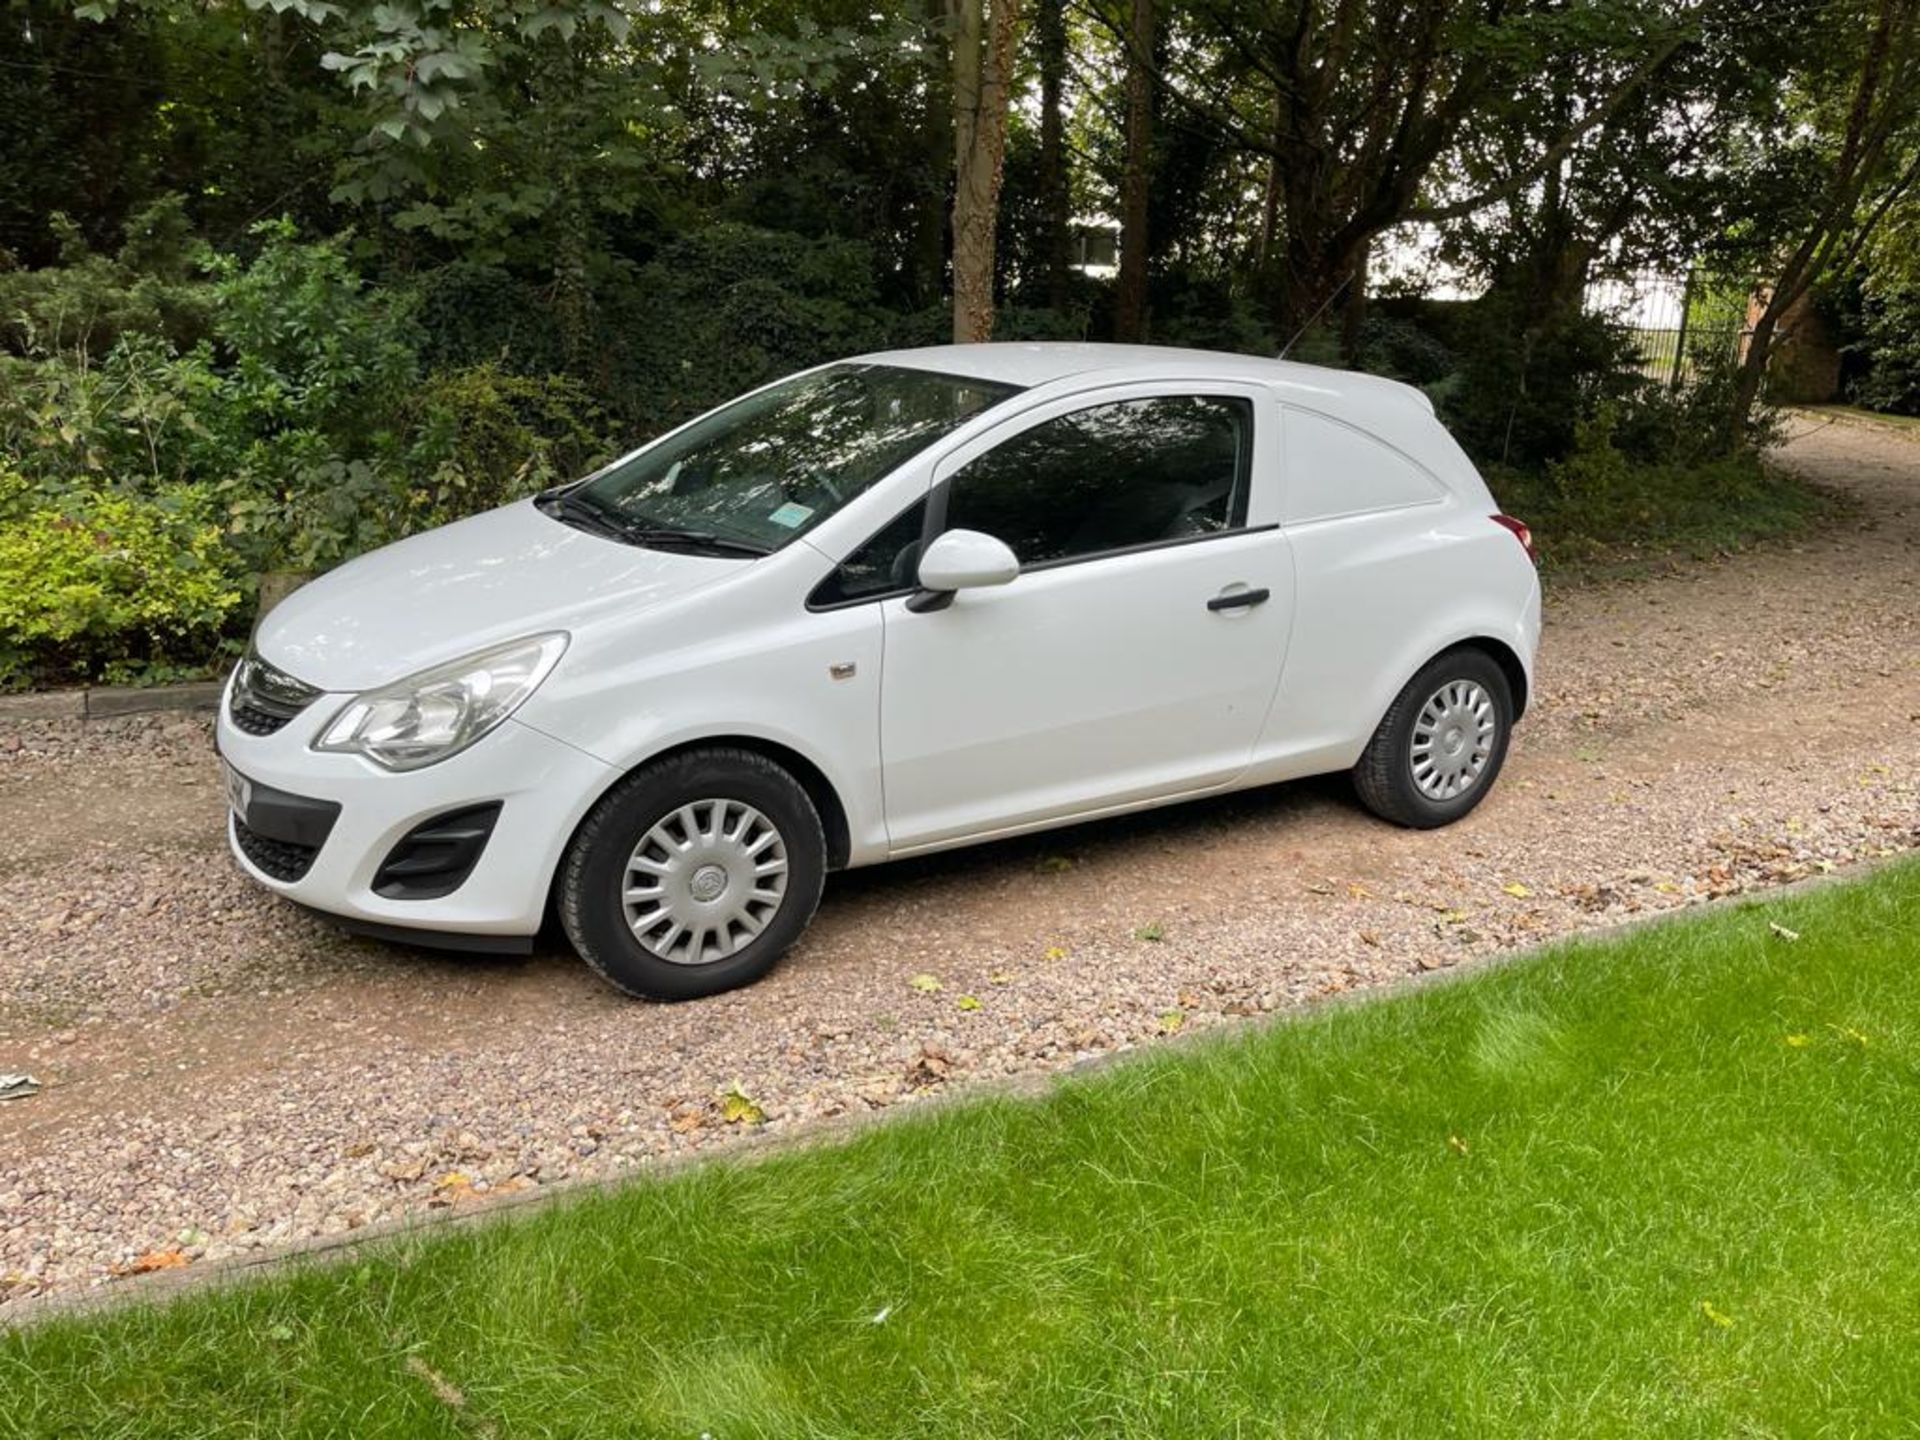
(693, 875)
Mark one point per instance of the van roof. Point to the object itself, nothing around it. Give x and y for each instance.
(1030, 363)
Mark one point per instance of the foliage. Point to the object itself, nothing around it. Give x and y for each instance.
(1889, 341)
(1522, 388)
(88, 302)
(1626, 492)
(1658, 1183)
(483, 437)
(102, 585)
(730, 307)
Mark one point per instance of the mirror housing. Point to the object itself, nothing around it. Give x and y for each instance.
(961, 560)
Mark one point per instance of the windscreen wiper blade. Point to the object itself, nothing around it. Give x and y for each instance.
(565, 506)
(680, 535)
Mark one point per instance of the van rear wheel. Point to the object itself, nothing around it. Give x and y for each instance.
(1441, 744)
(693, 875)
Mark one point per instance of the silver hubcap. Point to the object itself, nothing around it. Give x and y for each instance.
(704, 881)
(1453, 739)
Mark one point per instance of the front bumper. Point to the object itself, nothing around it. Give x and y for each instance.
(542, 786)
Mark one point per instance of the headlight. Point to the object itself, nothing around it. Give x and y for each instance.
(439, 712)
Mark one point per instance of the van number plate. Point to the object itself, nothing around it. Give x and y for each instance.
(239, 790)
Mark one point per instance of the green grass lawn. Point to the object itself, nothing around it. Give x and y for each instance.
(1666, 1185)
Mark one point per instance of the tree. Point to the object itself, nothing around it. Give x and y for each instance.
(1050, 39)
(1853, 165)
(1355, 104)
(982, 69)
(1136, 178)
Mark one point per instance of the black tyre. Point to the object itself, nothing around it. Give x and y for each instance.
(693, 875)
(1441, 744)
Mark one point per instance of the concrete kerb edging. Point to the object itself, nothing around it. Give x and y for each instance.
(753, 1146)
(111, 701)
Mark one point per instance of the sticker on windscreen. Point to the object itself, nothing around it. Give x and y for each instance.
(791, 515)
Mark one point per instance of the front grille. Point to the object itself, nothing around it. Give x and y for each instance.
(254, 720)
(282, 859)
(264, 697)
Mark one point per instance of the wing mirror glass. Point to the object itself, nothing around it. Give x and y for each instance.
(961, 560)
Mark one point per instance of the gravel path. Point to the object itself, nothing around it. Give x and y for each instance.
(223, 1073)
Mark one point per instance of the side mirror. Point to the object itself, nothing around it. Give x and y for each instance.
(961, 560)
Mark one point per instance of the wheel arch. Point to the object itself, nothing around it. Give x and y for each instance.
(1503, 655)
(834, 823)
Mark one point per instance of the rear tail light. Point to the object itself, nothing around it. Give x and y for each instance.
(1518, 529)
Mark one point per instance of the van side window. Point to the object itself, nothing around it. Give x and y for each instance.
(1331, 469)
(885, 565)
(1132, 472)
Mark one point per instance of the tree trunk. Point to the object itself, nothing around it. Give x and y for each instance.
(1050, 26)
(927, 261)
(1353, 313)
(1270, 199)
(980, 75)
(1130, 298)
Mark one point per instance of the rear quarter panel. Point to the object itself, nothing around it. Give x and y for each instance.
(1381, 593)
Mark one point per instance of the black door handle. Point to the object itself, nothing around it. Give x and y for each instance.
(1239, 600)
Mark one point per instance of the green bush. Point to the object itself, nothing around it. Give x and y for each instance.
(1889, 321)
(89, 302)
(483, 437)
(111, 587)
(729, 308)
(1601, 504)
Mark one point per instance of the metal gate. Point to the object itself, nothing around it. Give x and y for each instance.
(1678, 321)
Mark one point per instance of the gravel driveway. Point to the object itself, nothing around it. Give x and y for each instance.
(223, 1073)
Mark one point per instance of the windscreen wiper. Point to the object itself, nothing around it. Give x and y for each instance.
(565, 506)
(672, 536)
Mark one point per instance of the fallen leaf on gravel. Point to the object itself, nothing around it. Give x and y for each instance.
(1517, 890)
(739, 1108)
(1369, 937)
(1054, 952)
(1453, 917)
(404, 1169)
(930, 1067)
(686, 1121)
(1150, 932)
(1054, 864)
(1171, 1021)
(1782, 931)
(966, 1002)
(1666, 887)
(926, 984)
(168, 1259)
(1005, 977)
(1357, 891)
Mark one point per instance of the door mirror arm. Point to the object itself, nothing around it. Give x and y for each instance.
(923, 601)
